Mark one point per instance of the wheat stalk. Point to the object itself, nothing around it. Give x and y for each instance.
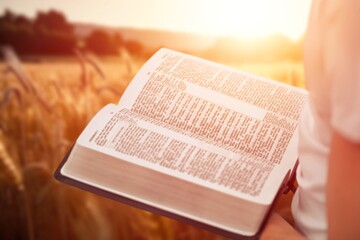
(6, 100)
(9, 168)
(8, 93)
(83, 77)
(14, 175)
(127, 58)
(14, 66)
(94, 62)
(25, 83)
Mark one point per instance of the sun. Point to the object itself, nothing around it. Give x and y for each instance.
(240, 18)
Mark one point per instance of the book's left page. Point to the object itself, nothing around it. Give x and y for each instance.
(122, 154)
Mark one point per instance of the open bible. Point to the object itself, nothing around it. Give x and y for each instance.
(193, 140)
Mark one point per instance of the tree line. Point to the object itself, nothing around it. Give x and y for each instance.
(50, 33)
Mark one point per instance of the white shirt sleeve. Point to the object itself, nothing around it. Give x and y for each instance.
(342, 68)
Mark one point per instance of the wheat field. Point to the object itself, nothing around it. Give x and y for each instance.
(44, 105)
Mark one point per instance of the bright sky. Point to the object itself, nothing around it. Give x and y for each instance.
(248, 18)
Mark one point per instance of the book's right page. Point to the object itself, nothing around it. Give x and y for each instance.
(246, 124)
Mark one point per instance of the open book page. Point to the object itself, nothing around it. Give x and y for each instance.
(206, 123)
(124, 165)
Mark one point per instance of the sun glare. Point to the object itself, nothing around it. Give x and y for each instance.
(252, 18)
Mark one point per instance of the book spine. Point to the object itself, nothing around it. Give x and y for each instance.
(290, 184)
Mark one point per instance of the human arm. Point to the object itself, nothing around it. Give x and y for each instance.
(278, 228)
(343, 192)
